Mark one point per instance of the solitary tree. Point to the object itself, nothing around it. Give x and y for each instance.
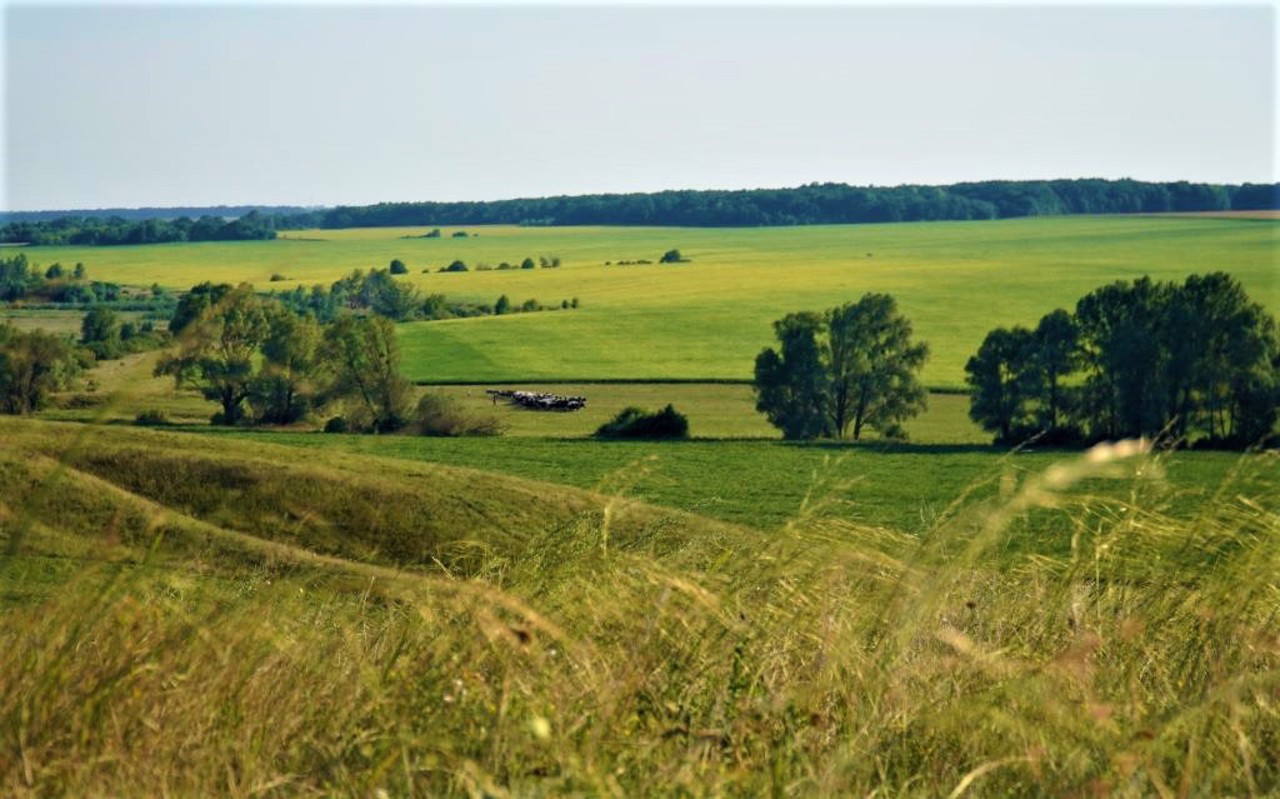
(851, 367)
(873, 365)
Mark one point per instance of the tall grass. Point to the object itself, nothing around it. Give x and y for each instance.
(830, 659)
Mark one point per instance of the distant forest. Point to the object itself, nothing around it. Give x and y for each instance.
(815, 204)
(825, 203)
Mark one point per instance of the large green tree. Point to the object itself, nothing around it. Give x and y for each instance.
(792, 383)
(841, 371)
(1001, 377)
(289, 379)
(364, 358)
(216, 353)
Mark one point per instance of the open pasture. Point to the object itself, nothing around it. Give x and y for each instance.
(707, 319)
(768, 484)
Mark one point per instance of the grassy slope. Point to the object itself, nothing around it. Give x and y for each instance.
(766, 484)
(392, 512)
(830, 658)
(716, 311)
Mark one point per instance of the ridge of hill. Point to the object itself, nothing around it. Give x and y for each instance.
(196, 496)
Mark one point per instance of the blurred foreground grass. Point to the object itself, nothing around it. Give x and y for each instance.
(597, 647)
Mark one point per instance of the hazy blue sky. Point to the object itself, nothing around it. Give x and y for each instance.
(193, 105)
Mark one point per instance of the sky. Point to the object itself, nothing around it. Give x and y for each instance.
(204, 104)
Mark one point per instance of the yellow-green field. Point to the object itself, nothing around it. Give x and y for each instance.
(707, 319)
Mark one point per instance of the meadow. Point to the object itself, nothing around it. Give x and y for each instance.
(954, 280)
(345, 624)
(204, 611)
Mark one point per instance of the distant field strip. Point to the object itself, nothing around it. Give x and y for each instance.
(709, 318)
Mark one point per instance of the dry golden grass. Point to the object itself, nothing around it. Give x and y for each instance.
(607, 659)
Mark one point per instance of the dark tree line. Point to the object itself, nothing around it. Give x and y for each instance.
(826, 203)
(1197, 361)
(94, 231)
(816, 203)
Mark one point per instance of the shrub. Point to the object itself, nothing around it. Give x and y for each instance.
(337, 424)
(672, 257)
(153, 417)
(459, 234)
(637, 423)
(456, 266)
(276, 277)
(398, 268)
(527, 264)
(439, 415)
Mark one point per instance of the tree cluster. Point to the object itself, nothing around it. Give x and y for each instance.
(1197, 362)
(33, 365)
(97, 231)
(107, 336)
(265, 364)
(825, 203)
(842, 370)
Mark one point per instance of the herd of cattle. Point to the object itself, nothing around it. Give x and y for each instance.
(538, 401)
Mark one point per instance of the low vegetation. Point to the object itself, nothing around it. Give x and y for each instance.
(267, 629)
(639, 423)
(260, 609)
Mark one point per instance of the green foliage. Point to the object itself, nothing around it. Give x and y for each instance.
(101, 332)
(116, 231)
(397, 267)
(439, 415)
(456, 266)
(527, 263)
(196, 303)
(364, 357)
(502, 306)
(1193, 360)
(852, 366)
(639, 423)
(792, 384)
(672, 257)
(217, 349)
(822, 203)
(288, 383)
(33, 365)
(482, 625)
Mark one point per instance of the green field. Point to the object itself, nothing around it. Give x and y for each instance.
(765, 484)
(954, 280)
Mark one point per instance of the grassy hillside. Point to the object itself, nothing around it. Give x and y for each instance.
(716, 311)
(173, 636)
(388, 512)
